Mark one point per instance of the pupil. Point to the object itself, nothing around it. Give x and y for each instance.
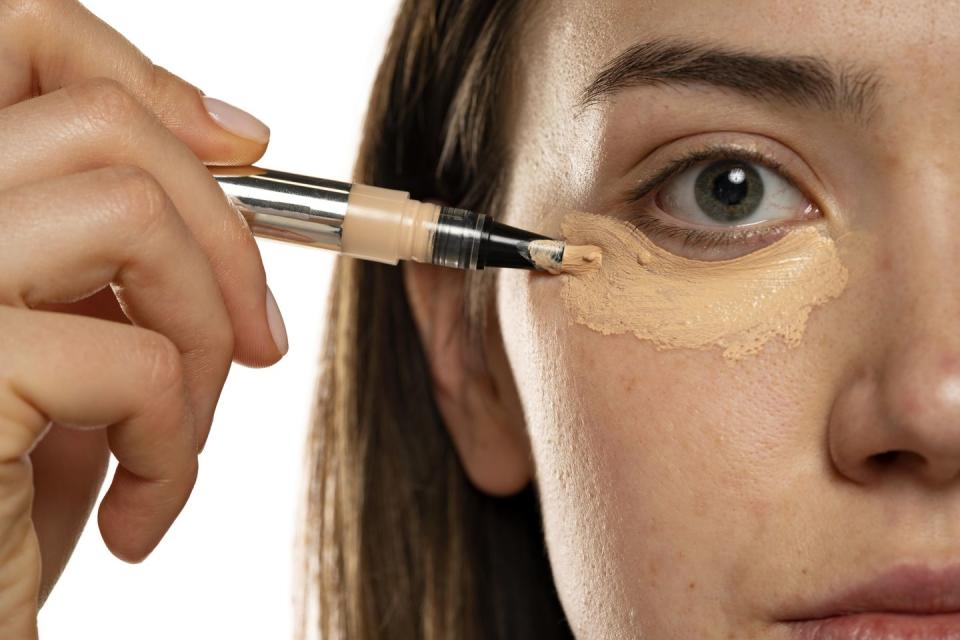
(731, 187)
(729, 190)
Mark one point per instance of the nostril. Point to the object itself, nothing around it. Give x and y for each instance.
(885, 459)
(897, 458)
(888, 460)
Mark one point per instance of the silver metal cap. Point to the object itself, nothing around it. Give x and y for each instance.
(286, 206)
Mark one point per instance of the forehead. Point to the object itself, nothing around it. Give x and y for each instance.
(909, 40)
(865, 29)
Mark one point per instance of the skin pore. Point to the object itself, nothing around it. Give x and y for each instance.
(684, 497)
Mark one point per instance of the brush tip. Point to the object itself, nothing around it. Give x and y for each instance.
(556, 257)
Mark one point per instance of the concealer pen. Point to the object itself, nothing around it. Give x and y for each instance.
(385, 225)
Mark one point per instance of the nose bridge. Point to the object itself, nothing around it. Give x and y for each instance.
(918, 375)
(901, 413)
(919, 240)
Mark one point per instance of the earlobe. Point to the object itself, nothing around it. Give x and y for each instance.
(472, 382)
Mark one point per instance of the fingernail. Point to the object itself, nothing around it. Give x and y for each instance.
(236, 121)
(275, 320)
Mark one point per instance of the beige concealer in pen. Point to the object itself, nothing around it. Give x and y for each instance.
(385, 225)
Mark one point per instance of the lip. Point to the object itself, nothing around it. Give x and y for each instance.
(909, 601)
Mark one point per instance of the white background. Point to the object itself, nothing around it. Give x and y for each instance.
(225, 570)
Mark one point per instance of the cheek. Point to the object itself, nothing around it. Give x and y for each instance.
(656, 469)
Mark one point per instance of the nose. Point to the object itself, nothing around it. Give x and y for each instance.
(899, 413)
(901, 416)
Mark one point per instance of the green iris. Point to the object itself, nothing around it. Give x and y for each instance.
(728, 190)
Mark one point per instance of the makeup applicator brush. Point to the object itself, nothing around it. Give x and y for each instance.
(385, 225)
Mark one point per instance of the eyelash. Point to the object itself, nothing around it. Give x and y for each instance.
(700, 238)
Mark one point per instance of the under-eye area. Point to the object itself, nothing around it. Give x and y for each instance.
(736, 304)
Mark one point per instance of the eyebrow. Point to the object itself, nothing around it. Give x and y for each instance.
(796, 81)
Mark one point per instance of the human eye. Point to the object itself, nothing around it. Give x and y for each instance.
(719, 203)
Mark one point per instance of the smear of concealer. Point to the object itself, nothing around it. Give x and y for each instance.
(557, 257)
(674, 302)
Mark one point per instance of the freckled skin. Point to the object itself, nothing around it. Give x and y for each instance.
(685, 498)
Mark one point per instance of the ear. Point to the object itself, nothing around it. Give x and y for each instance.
(472, 381)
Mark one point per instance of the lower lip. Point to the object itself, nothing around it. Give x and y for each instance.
(880, 626)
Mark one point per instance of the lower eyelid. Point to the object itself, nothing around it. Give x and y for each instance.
(711, 245)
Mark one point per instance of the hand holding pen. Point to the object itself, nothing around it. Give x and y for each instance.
(128, 285)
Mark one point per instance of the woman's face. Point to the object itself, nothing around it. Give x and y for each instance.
(687, 493)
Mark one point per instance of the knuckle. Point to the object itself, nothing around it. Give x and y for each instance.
(163, 364)
(11, 8)
(139, 198)
(34, 18)
(17, 18)
(153, 78)
(29, 9)
(105, 103)
(213, 357)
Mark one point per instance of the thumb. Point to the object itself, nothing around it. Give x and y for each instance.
(21, 426)
(20, 566)
(50, 45)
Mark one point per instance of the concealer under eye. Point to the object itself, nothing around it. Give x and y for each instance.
(718, 203)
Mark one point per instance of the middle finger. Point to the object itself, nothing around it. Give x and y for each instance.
(116, 226)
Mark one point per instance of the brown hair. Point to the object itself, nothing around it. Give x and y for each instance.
(397, 542)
